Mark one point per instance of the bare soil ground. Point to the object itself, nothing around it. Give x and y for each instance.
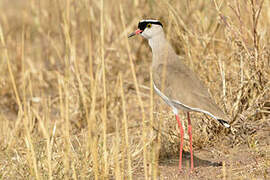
(226, 163)
(222, 161)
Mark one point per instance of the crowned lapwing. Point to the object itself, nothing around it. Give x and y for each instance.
(175, 83)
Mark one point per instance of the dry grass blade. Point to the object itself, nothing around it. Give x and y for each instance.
(125, 124)
(104, 121)
(138, 96)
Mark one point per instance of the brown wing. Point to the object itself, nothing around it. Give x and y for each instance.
(182, 85)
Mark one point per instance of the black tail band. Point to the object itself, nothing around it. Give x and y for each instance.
(224, 123)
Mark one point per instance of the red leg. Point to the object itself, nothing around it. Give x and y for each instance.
(190, 141)
(181, 141)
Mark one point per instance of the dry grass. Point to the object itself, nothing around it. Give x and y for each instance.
(76, 96)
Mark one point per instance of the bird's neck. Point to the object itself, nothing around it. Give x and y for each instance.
(157, 42)
(161, 50)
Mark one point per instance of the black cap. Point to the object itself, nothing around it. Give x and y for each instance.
(143, 23)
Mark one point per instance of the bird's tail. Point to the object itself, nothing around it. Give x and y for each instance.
(224, 123)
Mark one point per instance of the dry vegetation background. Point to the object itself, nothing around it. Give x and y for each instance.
(75, 94)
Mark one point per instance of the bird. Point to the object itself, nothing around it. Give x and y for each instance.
(176, 84)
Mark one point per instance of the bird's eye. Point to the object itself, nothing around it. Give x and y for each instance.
(149, 25)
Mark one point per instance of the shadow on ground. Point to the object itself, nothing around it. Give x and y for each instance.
(174, 160)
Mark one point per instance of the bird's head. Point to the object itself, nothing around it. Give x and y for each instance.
(148, 28)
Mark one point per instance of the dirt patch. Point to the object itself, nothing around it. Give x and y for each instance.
(221, 162)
